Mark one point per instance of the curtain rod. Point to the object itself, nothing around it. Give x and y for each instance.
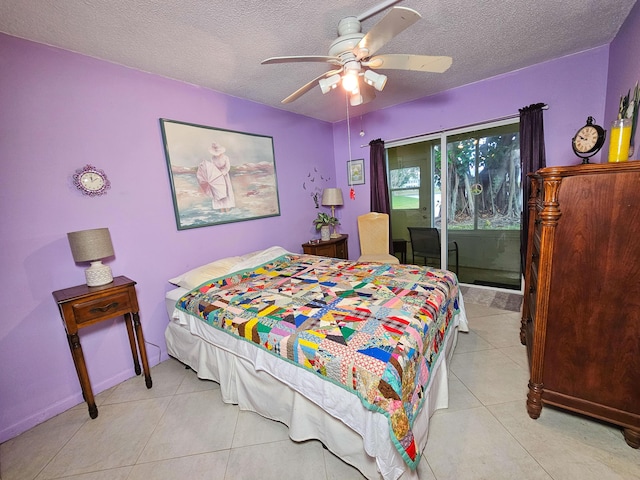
(508, 117)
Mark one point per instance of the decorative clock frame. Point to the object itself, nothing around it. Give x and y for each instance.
(91, 181)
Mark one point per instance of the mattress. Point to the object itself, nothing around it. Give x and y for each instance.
(313, 408)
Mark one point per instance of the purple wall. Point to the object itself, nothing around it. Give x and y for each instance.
(61, 110)
(624, 69)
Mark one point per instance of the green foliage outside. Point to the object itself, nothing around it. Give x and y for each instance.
(484, 181)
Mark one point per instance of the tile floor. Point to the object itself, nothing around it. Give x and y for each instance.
(484, 434)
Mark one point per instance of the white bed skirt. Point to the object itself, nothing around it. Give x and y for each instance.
(311, 407)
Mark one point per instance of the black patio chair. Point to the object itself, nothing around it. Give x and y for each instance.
(425, 242)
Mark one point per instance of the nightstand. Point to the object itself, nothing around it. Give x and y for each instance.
(334, 247)
(82, 306)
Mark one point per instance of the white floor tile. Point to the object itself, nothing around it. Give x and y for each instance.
(499, 330)
(193, 423)
(166, 377)
(518, 354)
(460, 398)
(471, 342)
(491, 376)
(339, 470)
(206, 466)
(24, 456)
(286, 460)
(110, 474)
(114, 439)
(471, 444)
(191, 383)
(569, 445)
(252, 429)
(475, 311)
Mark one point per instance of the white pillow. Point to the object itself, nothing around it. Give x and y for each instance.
(196, 277)
(255, 259)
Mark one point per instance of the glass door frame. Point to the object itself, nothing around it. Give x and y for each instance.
(444, 165)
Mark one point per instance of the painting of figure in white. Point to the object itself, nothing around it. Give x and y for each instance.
(214, 179)
(219, 176)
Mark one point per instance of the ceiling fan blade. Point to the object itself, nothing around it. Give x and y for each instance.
(397, 20)
(377, 9)
(305, 88)
(302, 58)
(418, 63)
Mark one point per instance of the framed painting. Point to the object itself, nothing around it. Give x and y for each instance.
(219, 176)
(355, 171)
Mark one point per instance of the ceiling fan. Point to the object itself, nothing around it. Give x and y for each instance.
(353, 55)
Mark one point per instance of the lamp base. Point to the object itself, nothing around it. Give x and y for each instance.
(98, 274)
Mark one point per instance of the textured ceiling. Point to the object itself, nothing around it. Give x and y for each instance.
(219, 44)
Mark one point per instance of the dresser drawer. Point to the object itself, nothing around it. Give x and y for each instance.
(101, 308)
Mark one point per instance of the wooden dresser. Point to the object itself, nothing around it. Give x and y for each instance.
(581, 312)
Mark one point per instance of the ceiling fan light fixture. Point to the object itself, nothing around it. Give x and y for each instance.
(356, 99)
(376, 80)
(329, 83)
(350, 82)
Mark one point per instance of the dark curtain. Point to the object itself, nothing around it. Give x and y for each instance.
(379, 188)
(532, 158)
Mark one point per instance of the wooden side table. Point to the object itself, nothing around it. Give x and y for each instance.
(82, 306)
(334, 247)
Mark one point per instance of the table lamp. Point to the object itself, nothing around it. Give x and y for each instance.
(332, 197)
(92, 246)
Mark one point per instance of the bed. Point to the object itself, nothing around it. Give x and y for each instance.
(351, 354)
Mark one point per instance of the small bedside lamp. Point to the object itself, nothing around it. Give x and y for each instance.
(92, 246)
(332, 197)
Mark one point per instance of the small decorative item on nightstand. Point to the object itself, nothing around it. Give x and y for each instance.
(323, 223)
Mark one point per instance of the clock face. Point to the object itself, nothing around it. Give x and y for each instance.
(586, 139)
(91, 181)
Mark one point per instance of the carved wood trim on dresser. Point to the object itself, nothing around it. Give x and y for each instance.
(581, 311)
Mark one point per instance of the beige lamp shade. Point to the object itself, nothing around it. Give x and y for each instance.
(92, 246)
(332, 197)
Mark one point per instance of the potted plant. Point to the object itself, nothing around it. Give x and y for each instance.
(323, 222)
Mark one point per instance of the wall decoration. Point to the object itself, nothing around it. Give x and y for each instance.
(219, 176)
(91, 181)
(314, 184)
(355, 171)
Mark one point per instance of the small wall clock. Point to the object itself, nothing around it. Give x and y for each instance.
(588, 140)
(91, 181)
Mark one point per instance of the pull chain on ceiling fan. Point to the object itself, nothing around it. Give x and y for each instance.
(353, 53)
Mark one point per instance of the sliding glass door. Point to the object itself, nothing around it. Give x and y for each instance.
(474, 201)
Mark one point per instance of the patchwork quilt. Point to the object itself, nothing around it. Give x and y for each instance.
(374, 329)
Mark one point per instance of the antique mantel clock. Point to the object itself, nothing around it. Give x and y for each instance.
(588, 140)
